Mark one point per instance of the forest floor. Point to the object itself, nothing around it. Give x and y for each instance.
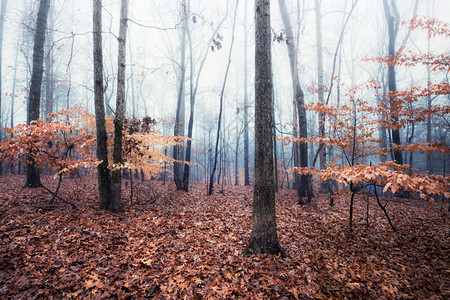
(171, 244)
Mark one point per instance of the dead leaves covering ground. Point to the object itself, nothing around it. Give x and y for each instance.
(170, 244)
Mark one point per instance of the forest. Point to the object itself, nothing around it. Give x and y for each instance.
(235, 149)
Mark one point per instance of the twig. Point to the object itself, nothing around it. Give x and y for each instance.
(383, 208)
(65, 201)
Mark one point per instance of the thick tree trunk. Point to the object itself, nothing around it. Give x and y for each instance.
(103, 175)
(116, 178)
(34, 98)
(298, 97)
(264, 238)
(2, 21)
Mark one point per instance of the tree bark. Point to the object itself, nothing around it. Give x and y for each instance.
(116, 178)
(34, 98)
(298, 97)
(103, 173)
(264, 238)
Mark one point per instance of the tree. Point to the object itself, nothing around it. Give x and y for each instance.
(63, 144)
(116, 178)
(34, 98)
(213, 43)
(211, 180)
(353, 129)
(393, 26)
(2, 21)
(103, 173)
(264, 238)
(49, 82)
(320, 87)
(300, 157)
(246, 156)
(178, 151)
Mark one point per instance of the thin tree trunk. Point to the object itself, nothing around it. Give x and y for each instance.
(34, 98)
(211, 181)
(236, 156)
(298, 97)
(392, 82)
(2, 21)
(49, 69)
(246, 154)
(103, 173)
(193, 93)
(13, 95)
(274, 132)
(429, 170)
(178, 150)
(322, 155)
(133, 98)
(116, 178)
(264, 237)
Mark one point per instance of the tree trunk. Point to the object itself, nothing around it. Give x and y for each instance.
(274, 132)
(103, 174)
(298, 97)
(211, 180)
(236, 155)
(193, 93)
(13, 94)
(246, 155)
(178, 150)
(134, 103)
(429, 102)
(264, 238)
(2, 21)
(34, 98)
(49, 69)
(392, 82)
(116, 178)
(323, 149)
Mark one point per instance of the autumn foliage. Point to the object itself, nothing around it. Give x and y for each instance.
(68, 141)
(359, 155)
(64, 144)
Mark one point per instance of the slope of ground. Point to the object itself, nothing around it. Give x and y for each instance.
(170, 244)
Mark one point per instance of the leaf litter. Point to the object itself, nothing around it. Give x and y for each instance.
(172, 244)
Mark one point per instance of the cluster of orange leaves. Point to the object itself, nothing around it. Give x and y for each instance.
(64, 143)
(353, 126)
(353, 130)
(68, 142)
(434, 27)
